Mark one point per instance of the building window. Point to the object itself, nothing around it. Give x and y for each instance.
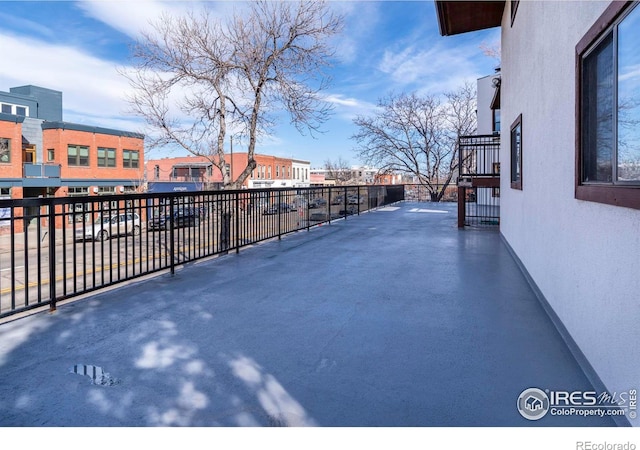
(77, 191)
(269, 172)
(608, 126)
(5, 150)
(130, 159)
(277, 171)
(496, 121)
(51, 154)
(78, 155)
(516, 153)
(106, 190)
(15, 109)
(156, 172)
(106, 157)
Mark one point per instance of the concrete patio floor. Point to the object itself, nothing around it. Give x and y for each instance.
(393, 318)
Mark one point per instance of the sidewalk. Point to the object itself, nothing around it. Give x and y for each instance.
(396, 318)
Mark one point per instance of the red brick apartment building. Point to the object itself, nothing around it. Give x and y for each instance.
(195, 173)
(43, 156)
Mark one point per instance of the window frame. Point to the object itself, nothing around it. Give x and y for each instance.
(77, 163)
(516, 183)
(624, 195)
(105, 160)
(127, 159)
(8, 161)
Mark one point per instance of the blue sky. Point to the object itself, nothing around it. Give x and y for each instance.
(386, 46)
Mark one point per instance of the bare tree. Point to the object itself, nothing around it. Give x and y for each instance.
(338, 170)
(418, 135)
(195, 78)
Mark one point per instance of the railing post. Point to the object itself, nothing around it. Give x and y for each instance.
(344, 199)
(309, 208)
(279, 209)
(13, 257)
(172, 235)
(237, 217)
(462, 192)
(52, 256)
(329, 206)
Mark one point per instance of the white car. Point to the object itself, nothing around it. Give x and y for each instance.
(105, 227)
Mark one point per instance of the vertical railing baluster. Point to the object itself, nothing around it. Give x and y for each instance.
(171, 236)
(52, 256)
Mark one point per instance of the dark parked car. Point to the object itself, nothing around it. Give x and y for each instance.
(182, 217)
(273, 209)
(317, 203)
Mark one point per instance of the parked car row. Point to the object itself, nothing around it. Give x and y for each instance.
(279, 208)
(105, 227)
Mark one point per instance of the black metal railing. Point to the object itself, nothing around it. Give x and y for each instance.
(479, 155)
(57, 248)
(479, 180)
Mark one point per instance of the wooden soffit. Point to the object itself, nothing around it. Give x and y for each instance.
(455, 17)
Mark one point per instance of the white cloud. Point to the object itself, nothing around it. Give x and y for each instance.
(348, 108)
(361, 19)
(129, 17)
(435, 67)
(132, 17)
(92, 90)
(432, 67)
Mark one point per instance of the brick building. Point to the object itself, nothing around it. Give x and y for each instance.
(43, 156)
(195, 173)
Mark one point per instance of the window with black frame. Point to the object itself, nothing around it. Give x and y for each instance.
(78, 155)
(516, 153)
(609, 118)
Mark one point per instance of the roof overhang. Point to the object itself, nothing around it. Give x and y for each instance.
(193, 165)
(455, 17)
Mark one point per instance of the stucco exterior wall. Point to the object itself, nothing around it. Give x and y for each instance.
(583, 256)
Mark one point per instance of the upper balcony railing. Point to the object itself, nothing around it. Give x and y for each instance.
(479, 156)
(189, 178)
(32, 170)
